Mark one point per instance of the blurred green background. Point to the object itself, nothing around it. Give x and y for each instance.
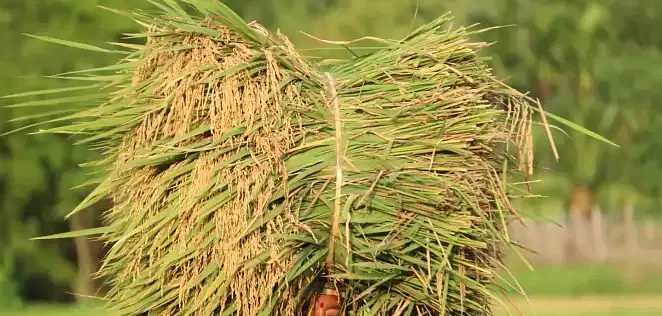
(597, 63)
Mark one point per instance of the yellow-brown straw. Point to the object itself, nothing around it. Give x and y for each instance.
(335, 226)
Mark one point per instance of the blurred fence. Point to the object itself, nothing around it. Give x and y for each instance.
(599, 239)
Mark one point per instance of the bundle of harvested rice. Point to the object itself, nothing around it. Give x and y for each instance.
(246, 178)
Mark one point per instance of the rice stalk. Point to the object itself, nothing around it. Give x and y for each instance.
(244, 175)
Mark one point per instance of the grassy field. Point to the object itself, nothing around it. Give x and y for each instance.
(589, 280)
(587, 290)
(539, 306)
(589, 305)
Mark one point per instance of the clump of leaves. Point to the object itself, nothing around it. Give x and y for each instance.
(243, 174)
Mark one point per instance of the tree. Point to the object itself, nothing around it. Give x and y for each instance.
(597, 64)
(37, 173)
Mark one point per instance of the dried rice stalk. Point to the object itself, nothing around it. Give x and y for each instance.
(242, 174)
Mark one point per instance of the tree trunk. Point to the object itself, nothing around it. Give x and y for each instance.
(630, 236)
(87, 254)
(578, 224)
(599, 242)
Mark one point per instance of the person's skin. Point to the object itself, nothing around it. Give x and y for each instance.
(327, 305)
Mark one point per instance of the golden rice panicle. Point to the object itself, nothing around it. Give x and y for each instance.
(245, 135)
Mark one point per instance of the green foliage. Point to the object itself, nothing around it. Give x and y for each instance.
(8, 283)
(595, 63)
(37, 174)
